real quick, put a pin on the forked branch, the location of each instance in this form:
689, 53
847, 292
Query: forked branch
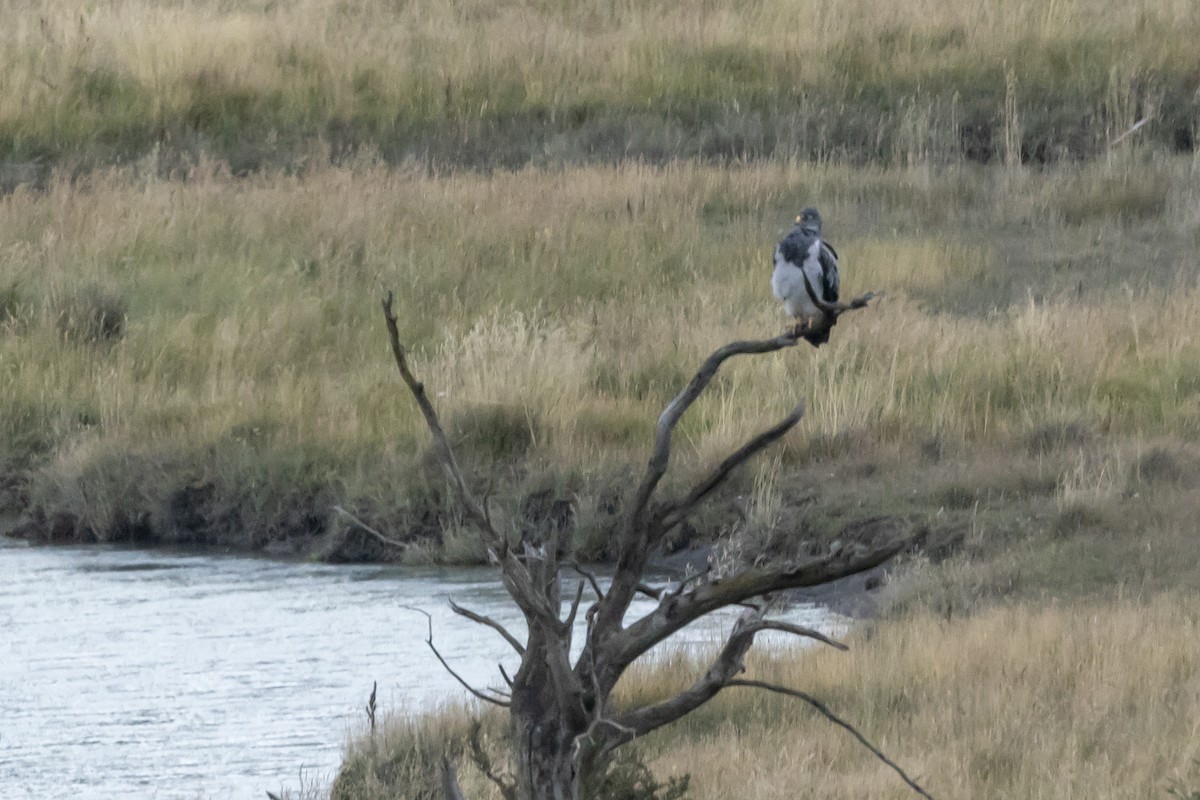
640, 533
660, 456
834, 310
728, 663
446, 666
676, 612
676, 512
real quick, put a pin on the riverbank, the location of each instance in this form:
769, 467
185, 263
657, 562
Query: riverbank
194, 246
1020, 383
1070, 700
201, 206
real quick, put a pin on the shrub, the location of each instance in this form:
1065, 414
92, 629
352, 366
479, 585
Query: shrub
11, 306
496, 432
91, 315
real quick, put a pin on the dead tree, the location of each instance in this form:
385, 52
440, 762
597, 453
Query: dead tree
564, 725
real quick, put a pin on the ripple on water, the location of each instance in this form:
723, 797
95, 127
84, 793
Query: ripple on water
132, 674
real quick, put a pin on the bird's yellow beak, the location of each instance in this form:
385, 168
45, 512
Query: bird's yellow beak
798, 220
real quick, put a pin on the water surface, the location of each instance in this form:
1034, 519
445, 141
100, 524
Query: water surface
134, 674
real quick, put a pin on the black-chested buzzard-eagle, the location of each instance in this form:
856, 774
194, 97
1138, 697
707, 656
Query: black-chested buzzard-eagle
803, 252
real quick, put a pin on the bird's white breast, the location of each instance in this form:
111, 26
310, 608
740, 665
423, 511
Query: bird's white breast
788, 284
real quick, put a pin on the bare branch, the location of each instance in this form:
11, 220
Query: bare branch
836, 720
569, 622
488, 621
690, 579
429, 641
524, 589
676, 512
834, 310
441, 443
800, 630
661, 455
364, 526
651, 591
729, 662
638, 534
449, 777
484, 763
370, 708
591, 578
675, 613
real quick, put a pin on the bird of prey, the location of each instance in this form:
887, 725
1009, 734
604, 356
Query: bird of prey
803, 252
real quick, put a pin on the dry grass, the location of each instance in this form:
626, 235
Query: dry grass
1021, 703
554, 312
512, 82
202, 357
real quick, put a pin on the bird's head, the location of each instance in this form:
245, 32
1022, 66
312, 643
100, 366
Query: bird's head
809, 220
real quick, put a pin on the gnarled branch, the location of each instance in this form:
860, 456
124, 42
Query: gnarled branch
831, 311
660, 456
639, 534
675, 613
727, 664
446, 666
441, 444
491, 623
678, 511
365, 527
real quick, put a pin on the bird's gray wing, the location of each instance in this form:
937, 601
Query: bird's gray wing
829, 272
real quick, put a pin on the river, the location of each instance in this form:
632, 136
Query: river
151, 674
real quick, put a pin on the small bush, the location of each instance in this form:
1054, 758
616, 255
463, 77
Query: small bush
91, 315
402, 760
1077, 517
1159, 466
497, 432
1057, 435
11, 307
628, 778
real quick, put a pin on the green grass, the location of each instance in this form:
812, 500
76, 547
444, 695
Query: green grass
202, 204
508, 84
226, 331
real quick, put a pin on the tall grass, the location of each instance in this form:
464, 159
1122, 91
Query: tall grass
509, 83
1025, 702
1022, 702
566, 307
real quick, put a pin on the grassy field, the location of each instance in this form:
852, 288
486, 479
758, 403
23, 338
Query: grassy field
192, 360
511, 83
202, 203
1022, 703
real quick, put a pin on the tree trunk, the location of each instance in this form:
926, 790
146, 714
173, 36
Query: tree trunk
544, 742
563, 730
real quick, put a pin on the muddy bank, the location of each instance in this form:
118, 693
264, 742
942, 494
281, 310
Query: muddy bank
313, 527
